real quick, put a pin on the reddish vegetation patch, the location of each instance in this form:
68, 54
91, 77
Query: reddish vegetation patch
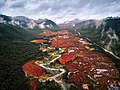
57, 43
66, 57
33, 84
32, 69
88, 67
38, 57
50, 33
91, 68
77, 75
64, 41
39, 41
73, 67
75, 78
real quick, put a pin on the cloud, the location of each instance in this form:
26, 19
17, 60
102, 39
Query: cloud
61, 10
18, 5
2, 3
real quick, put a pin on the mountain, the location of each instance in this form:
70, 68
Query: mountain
22, 28
69, 24
25, 22
92, 23
5, 19
105, 32
46, 23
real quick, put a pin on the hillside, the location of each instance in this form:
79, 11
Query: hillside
13, 33
104, 32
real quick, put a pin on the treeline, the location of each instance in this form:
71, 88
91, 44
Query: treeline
12, 57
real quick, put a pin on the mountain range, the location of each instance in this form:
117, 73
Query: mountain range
104, 32
25, 22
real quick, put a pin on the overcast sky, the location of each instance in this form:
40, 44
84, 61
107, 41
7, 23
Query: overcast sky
61, 10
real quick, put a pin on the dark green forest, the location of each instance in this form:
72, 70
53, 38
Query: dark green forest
12, 57
15, 50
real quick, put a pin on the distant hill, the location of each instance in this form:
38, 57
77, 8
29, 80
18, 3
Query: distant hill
22, 28
25, 22
69, 24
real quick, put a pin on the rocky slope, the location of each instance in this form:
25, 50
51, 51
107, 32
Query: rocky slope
105, 33
25, 22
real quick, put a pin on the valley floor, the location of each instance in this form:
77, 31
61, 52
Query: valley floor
70, 63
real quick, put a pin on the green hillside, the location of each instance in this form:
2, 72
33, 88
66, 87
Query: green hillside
13, 33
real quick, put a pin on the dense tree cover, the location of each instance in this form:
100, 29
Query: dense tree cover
12, 57
10, 33
48, 85
15, 50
